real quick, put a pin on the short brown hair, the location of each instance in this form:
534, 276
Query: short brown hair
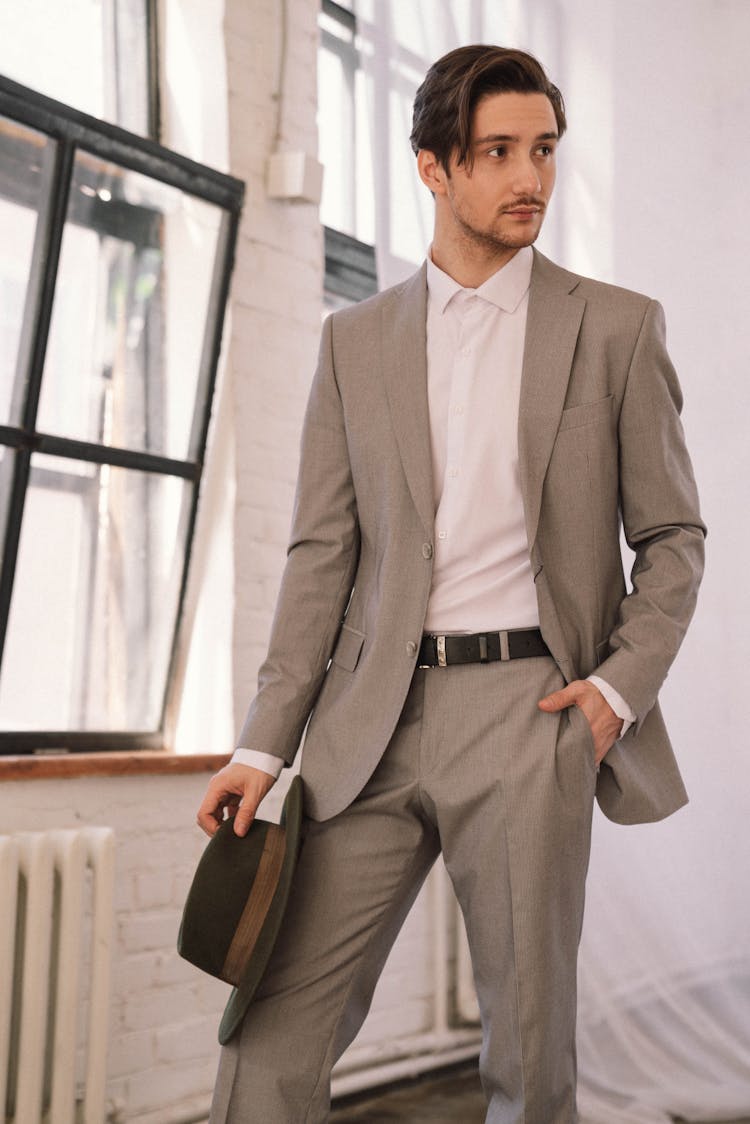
453, 86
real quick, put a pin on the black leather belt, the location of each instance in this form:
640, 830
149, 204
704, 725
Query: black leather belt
481, 647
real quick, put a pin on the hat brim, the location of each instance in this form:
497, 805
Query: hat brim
241, 996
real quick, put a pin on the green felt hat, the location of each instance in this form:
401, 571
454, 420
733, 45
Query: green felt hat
236, 902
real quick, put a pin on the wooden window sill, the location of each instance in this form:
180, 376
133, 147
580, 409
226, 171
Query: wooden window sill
117, 764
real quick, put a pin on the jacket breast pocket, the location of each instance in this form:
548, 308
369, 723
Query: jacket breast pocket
586, 414
348, 648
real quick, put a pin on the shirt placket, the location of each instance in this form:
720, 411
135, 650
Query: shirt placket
460, 388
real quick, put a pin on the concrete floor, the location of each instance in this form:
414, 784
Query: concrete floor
453, 1097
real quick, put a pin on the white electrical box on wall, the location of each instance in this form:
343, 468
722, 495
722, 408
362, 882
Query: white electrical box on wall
294, 176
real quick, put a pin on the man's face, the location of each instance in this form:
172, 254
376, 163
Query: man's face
499, 202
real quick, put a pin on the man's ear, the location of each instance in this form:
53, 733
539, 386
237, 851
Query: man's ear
431, 171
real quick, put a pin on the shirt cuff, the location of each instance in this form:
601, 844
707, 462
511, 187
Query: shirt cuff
266, 762
616, 701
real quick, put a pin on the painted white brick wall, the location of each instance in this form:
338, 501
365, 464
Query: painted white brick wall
164, 1013
276, 305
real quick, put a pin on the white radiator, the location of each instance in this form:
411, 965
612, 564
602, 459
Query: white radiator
55, 947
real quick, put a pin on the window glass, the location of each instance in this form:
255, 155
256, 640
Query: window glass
90, 54
112, 293
129, 317
343, 143
95, 598
25, 164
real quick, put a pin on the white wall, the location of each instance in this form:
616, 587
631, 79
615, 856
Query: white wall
652, 195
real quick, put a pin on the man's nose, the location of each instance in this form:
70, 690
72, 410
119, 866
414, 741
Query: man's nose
526, 180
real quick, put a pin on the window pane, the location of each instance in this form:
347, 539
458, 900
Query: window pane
335, 135
125, 344
95, 597
25, 165
343, 142
91, 54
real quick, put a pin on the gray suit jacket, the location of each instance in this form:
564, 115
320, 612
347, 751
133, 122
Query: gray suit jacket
600, 446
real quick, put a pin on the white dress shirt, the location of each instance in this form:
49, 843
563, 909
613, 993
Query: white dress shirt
482, 579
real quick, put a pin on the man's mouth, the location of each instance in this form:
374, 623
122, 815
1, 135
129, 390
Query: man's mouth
524, 210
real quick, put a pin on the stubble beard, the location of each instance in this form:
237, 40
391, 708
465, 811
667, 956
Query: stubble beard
493, 243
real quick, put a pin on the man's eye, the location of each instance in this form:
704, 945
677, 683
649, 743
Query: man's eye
545, 150
498, 150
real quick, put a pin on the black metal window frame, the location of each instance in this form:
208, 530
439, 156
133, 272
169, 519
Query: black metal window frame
72, 130
153, 73
350, 270
350, 267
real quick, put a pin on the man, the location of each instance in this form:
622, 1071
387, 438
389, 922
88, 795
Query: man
474, 439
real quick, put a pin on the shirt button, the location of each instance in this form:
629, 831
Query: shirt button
453, 472
427, 550
411, 648
442, 534
458, 410
466, 351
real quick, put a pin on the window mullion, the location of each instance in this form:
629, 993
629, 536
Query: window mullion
209, 361
154, 72
45, 259
19, 485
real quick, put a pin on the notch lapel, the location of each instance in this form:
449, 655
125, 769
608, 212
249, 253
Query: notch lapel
404, 335
552, 326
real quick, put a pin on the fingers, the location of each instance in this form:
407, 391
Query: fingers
211, 811
256, 787
237, 789
566, 696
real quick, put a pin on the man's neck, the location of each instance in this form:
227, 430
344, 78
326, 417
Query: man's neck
470, 269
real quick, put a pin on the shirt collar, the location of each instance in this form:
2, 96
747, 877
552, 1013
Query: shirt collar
506, 288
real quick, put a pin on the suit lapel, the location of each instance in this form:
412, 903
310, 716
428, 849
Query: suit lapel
404, 335
552, 327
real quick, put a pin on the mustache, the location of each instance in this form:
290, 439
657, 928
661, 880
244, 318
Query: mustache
524, 201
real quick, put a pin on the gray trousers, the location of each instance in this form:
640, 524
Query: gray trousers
476, 769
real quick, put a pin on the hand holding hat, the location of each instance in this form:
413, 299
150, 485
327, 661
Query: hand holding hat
238, 788
237, 900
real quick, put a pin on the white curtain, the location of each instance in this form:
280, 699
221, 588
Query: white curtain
651, 194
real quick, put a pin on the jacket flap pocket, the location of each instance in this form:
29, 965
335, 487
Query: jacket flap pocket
348, 647
585, 413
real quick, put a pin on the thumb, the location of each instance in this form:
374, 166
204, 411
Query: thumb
559, 700
244, 816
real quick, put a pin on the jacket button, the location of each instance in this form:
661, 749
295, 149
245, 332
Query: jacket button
427, 550
411, 648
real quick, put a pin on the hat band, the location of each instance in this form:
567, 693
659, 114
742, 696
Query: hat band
256, 907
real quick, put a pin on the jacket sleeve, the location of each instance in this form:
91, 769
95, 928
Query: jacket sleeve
661, 520
318, 577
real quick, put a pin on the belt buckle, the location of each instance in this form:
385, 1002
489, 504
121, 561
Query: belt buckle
504, 646
441, 657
